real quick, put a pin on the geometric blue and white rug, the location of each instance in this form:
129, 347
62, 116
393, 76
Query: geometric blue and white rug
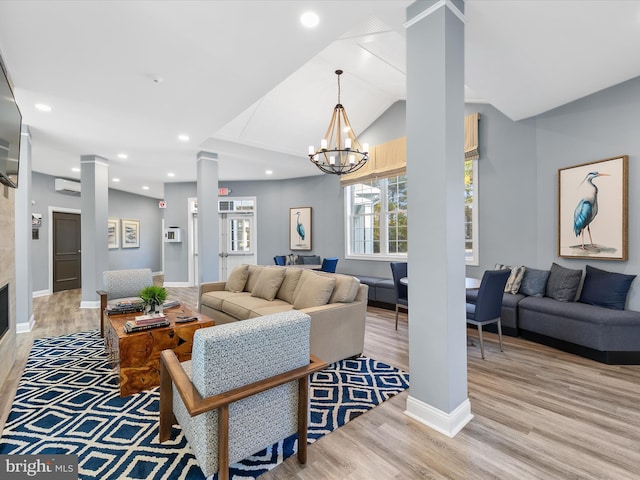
68, 403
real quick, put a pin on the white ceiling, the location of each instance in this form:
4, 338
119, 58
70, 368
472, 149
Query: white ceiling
245, 80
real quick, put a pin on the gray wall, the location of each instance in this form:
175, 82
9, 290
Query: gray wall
121, 205
176, 214
602, 125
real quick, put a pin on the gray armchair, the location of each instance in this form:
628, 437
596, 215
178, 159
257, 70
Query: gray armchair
245, 388
122, 285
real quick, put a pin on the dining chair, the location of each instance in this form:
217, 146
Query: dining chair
488, 306
399, 270
328, 265
280, 260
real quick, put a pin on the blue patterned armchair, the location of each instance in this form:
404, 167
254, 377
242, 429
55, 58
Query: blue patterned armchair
245, 388
121, 285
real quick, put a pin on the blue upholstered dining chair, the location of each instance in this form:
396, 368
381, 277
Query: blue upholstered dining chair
488, 306
280, 260
399, 270
329, 265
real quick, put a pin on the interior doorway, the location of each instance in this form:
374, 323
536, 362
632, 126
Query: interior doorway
66, 251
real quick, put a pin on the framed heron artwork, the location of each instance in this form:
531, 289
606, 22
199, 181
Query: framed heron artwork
593, 210
300, 228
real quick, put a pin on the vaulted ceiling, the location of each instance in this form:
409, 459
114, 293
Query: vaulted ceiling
244, 79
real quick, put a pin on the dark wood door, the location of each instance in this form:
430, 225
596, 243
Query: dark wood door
66, 251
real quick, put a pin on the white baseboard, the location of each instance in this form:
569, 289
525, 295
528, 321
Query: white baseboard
41, 293
177, 284
26, 327
448, 424
90, 304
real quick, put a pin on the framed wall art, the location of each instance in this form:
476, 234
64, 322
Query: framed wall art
300, 228
113, 233
593, 210
130, 233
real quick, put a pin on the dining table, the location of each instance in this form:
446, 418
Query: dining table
469, 283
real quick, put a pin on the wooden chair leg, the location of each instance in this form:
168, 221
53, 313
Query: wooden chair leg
500, 334
481, 342
223, 442
167, 418
103, 306
303, 418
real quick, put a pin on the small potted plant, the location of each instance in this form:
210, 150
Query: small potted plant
153, 297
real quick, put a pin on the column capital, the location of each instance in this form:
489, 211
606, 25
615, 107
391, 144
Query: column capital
202, 155
423, 8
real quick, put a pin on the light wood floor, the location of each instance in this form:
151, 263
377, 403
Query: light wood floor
539, 413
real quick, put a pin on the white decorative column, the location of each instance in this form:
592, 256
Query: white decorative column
435, 172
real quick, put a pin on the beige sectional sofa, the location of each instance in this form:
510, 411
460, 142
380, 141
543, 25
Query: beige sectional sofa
336, 303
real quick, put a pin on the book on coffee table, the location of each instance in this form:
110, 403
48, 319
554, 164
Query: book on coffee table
131, 326
149, 318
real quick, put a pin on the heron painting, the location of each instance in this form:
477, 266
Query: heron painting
300, 228
593, 210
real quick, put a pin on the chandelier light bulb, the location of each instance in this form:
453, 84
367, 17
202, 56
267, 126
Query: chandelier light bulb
312, 150
323, 144
347, 143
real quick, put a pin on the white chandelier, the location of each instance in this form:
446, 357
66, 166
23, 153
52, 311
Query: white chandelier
340, 151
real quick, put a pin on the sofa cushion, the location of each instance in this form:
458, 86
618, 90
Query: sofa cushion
268, 283
237, 279
514, 280
214, 299
346, 287
254, 273
605, 289
313, 290
563, 283
288, 287
279, 307
534, 282
240, 307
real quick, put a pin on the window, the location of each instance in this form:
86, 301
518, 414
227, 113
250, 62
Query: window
471, 212
377, 218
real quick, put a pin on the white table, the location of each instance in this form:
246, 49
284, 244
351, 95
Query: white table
470, 283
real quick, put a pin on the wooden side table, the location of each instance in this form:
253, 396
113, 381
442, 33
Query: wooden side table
136, 356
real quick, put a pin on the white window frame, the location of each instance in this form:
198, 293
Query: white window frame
473, 259
383, 256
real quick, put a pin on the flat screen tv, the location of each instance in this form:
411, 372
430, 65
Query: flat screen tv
10, 127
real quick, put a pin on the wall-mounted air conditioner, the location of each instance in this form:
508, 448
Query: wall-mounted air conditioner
66, 186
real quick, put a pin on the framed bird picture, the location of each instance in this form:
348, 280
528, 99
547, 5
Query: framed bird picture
300, 228
593, 210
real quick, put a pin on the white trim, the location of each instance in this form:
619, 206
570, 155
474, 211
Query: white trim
41, 293
96, 162
153, 274
90, 304
177, 284
191, 243
433, 8
26, 327
59, 210
448, 424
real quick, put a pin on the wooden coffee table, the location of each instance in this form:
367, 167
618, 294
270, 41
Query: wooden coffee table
136, 355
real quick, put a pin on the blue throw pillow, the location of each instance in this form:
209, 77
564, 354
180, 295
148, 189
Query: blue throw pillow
534, 282
606, 289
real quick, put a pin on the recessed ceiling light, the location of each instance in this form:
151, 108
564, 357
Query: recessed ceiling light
123, 156
115, 179
269, 172
145, 187
171, 174
310, 19
75, 169
42, 107
183, 137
